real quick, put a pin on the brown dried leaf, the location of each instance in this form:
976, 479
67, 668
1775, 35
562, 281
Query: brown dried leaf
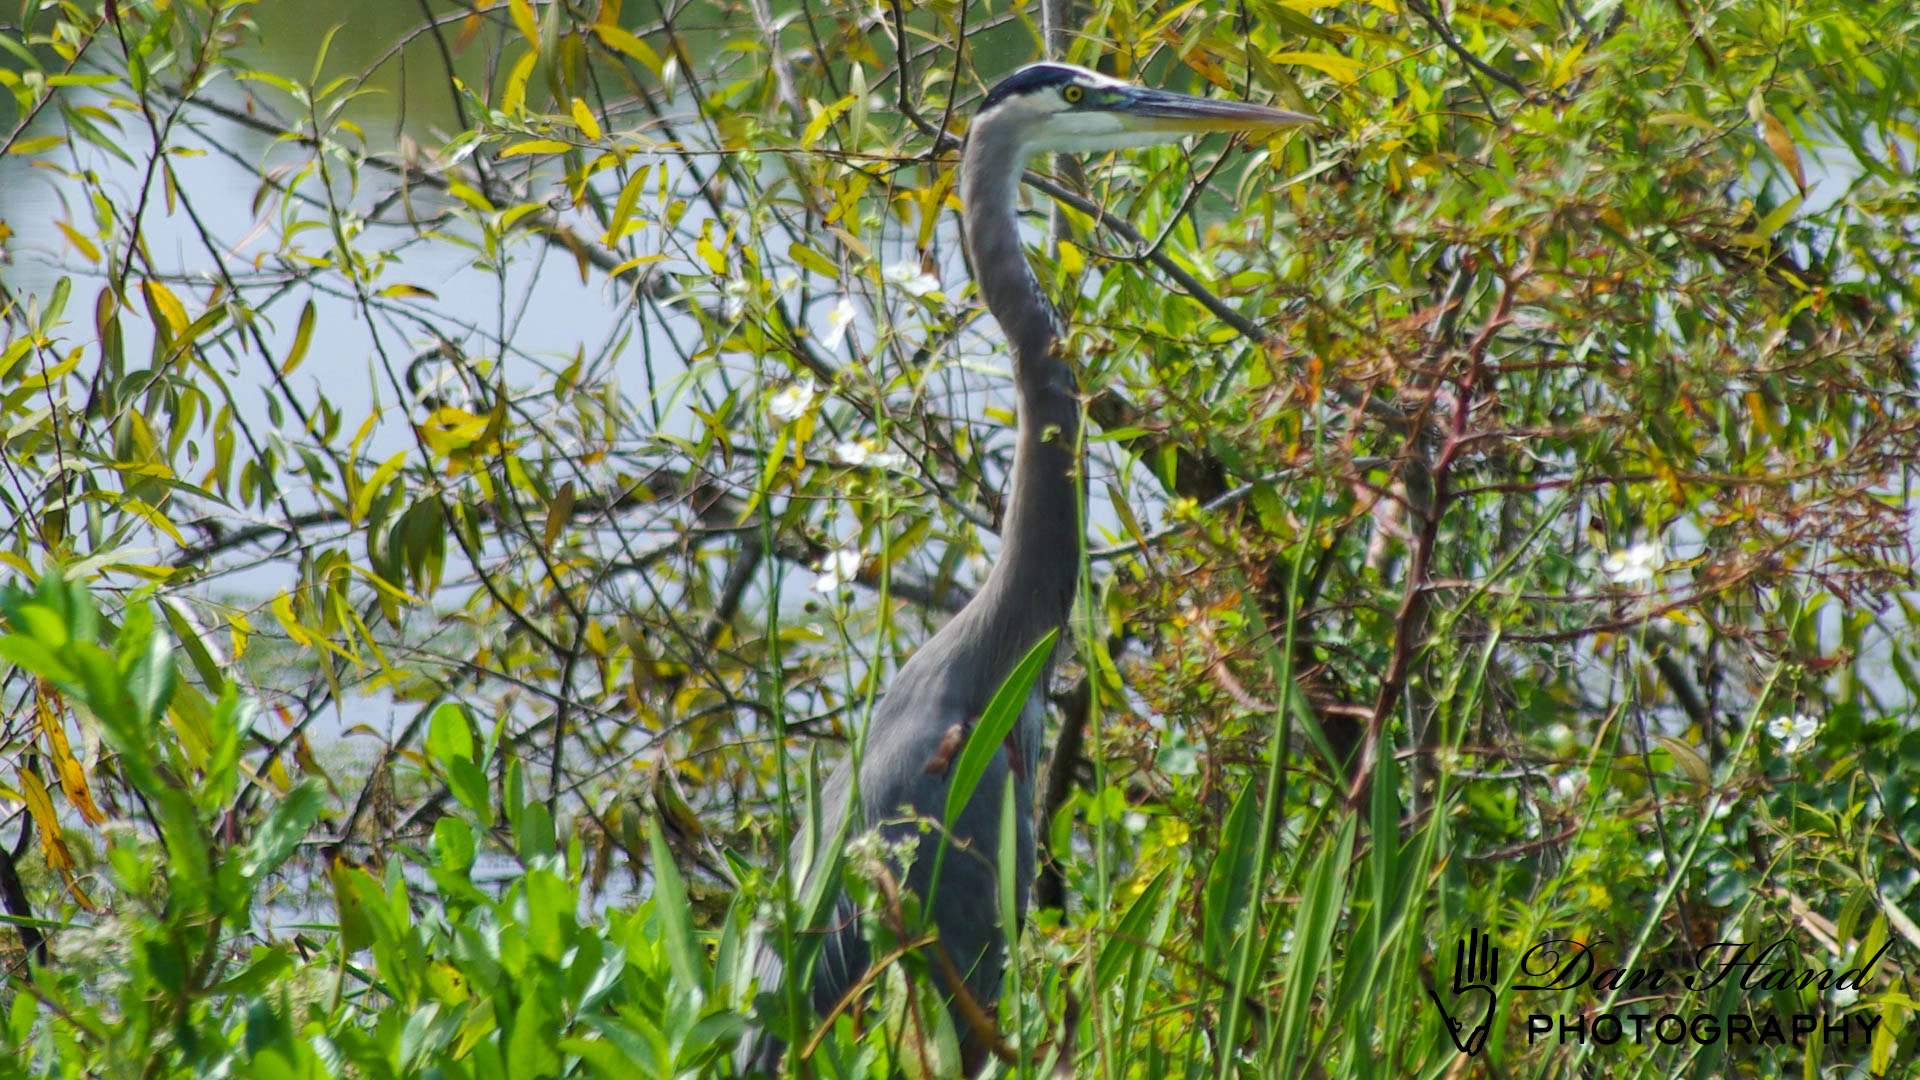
46, 820
73, 777
1781, 143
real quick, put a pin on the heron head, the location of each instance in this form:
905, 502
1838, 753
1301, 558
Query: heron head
1060, 108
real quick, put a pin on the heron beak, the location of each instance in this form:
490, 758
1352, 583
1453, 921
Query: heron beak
1161, 110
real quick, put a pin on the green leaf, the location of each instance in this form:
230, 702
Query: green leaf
530, 1041
1124, 942
283, 829
671, 909
1321, 901
1229, 880
1688, 759
987, 736
150, 682
450, 733
453, 844
468, 783
302, 337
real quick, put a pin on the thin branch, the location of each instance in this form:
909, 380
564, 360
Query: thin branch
1440, 27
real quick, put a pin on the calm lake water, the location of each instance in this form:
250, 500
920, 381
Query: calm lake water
552, 312
540, 304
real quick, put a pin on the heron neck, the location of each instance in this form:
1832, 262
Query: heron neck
1030, 588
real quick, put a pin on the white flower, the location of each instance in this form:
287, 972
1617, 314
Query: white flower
1655, 859
737, 290
1568, 785
1634, 565
860, 452
1794, 732
853, 453
837, 569
1843, 996
838, 320
793, 401
911, 279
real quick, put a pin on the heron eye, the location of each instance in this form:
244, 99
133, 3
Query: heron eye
1073, 94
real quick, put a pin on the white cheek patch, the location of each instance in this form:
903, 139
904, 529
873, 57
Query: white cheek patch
1083, 125
1092, 132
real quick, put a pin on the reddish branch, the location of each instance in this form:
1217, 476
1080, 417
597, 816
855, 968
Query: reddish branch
1409, 622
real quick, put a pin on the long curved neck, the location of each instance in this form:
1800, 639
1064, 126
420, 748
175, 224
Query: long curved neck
1030, 588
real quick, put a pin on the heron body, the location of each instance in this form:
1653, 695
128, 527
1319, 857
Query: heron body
939, 693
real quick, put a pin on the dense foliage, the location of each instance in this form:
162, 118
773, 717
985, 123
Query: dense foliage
472, 464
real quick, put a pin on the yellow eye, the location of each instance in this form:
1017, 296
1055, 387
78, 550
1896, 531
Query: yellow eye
1073, 94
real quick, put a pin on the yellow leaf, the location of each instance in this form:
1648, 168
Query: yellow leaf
278, 776
623, 41
457, 421
823, 119
283, 611
634, 263
11, 355
73, 778
1761, 415
514, 98
52, 376
404, 290
583, 116
715, 260
451, 428
1071, 259
1197, 59
535, 146
37, 144
74, 237
375, 485
154, 518
1344, 68
1566, 65
165, 307
366, 428
46, 820
469, 196
522, 13
238, 629
812, 260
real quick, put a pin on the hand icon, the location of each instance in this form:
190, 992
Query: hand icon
1476, 971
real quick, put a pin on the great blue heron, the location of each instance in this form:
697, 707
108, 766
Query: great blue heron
942, 690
